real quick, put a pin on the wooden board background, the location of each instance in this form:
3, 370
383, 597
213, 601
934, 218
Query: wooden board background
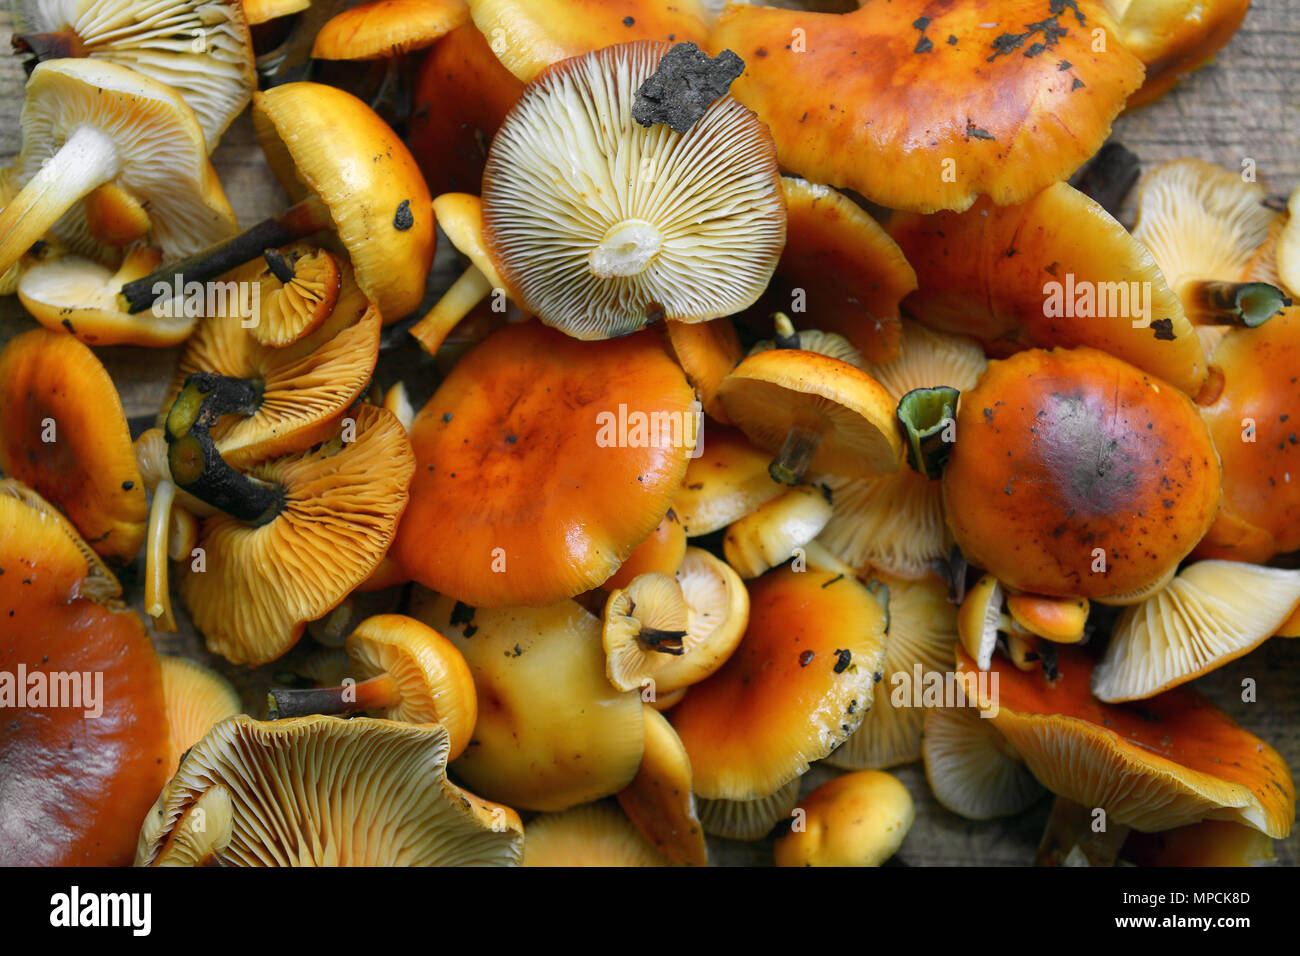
1244, 106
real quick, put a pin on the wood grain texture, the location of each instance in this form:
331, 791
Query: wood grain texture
1245, 105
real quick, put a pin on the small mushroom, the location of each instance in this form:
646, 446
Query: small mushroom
1173, 38
1203, 225
1213, 612
651, 224
199, 48
749, 819
408, 672
64, 433
321, 791
659, 801
773, 532
197, 700
972, 769
798, 685
298, 289
551, 731
858, 819
542, 463
1054, 270
594, 834
922, 109
88, 122
727, 481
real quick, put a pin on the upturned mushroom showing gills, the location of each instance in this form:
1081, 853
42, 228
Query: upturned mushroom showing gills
297, 534
542, 463
346, 172
88, 123
64, 433
321, 791
1054, 270
644, 221
157, 38
84, 744
1203, 224
921, 108
1175, 760
1074, 474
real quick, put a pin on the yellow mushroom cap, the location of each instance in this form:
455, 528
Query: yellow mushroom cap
718, 612
372, 31
263, 11
1213, 612
858, 819
774, 531
795, 689
322, 791
644, 624
728, 480
659, 801
594, 834
1173, 37
551, 731
434, 684
197, 699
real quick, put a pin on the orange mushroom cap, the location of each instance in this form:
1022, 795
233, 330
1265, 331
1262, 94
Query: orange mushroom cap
1075, 474
372, 31
922, 107
542, 463
64, 433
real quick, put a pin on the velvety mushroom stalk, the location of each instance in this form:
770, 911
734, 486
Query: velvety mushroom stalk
801, 442
297, 222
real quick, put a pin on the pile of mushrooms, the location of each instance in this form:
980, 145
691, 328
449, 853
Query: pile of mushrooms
778, 415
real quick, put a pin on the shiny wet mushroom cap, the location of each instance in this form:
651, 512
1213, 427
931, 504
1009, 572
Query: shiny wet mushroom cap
650, 223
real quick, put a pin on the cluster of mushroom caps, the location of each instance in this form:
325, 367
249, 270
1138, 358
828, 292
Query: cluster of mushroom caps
711, 456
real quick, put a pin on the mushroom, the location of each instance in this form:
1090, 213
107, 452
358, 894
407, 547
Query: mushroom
773, 532
197, 699
594, 834
89, 122
199, 48
671, 632
857, 819
321, 791
924, 109
659, 801
1208, 843
814, 412
298, 532
749, 819
542, 463
461, 96
551, 731
795, 689
1211, 613
298, 289
64, 433
199, 835
972, 769
1288, 246
727, 481
84, 744
663, 551
528, 36
1175, 760
1076, 475
1054, 270
653, 224
1172, 38
895, 522
1060, 620
1203, 225
850, 274
922, 633
1252, 420
707, 352
346, 172
258, 12
408, 672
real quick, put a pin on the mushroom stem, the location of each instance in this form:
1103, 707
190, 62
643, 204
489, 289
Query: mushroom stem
1109, 176
787, 336
795, 456
467, 292
626, 249
301, 220
928, 416
377, 693
280, 267
1071, 828
1234, 303
665, 642
157, 592
48, 46
85, 161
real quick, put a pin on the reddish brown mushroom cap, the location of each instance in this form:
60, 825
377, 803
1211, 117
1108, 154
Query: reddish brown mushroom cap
881, 101
1075, 474
542, 464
